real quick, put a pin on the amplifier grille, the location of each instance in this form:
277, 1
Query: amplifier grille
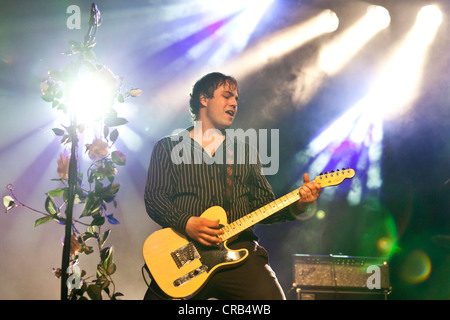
340, 271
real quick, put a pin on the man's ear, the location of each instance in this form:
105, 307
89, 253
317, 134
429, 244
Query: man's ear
203, 99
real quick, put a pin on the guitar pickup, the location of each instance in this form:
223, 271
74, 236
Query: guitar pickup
190, 275
185, 255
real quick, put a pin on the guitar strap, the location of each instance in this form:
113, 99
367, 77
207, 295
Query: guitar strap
229, 175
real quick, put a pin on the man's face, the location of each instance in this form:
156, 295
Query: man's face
220, 111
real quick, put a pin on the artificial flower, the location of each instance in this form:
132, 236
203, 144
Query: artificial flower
98, 149
63, 166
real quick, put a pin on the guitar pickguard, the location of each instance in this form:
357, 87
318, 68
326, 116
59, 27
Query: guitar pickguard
210, 257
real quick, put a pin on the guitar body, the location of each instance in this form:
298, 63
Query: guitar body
181, 267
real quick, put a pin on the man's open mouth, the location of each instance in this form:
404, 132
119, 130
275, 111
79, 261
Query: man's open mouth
230, 112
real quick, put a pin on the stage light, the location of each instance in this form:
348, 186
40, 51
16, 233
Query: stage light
378, 17
281, 43
398, 84
337, 53
249, 60
359, 130
92, 93
234, 35
430, 16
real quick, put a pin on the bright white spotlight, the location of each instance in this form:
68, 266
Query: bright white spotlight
429, 19
398, 84
430, 16
236, 34
92, 93
336, 54
329, 20
379, 17
281, 43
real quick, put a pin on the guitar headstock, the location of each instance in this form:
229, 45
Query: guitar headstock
334, 178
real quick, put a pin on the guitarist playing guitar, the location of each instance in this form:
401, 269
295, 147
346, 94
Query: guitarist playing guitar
201, 204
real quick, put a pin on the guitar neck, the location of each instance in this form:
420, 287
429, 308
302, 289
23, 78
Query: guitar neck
258, 215
328, 179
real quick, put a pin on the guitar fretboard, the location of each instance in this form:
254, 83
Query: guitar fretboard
258, 215
328, 179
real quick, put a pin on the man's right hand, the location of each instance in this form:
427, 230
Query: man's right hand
203, 230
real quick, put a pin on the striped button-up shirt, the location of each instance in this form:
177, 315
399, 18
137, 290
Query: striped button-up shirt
184, 181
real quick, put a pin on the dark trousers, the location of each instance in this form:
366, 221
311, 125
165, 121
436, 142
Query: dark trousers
252, 279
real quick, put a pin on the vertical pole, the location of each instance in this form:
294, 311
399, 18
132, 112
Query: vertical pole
72, 184
94, 21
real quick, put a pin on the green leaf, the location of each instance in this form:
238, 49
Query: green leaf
48, 97
114, 188
50, 206
9, 203
87, 235
114, 135
114, 122
43, 220
105, 131
106, 256
58, 131
94, 292
118, 158
93, 229
104, 237
98, 221
56, 192
87, 249
107, 193
92, 205
111, 269
62, 107
89, 54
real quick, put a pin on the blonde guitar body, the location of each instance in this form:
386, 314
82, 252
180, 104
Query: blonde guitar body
181, 267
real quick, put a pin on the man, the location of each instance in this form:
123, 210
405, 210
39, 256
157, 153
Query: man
178, 192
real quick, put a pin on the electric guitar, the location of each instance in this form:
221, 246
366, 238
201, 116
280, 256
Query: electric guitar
181, 266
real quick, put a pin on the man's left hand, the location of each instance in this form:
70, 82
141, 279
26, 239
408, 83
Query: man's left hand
309, 192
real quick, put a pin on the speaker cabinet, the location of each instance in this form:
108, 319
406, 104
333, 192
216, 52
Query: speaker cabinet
339, 277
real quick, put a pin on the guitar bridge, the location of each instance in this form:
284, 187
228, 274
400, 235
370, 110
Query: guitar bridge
185, 255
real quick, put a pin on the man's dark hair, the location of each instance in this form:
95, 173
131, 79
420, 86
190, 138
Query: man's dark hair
206, 86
